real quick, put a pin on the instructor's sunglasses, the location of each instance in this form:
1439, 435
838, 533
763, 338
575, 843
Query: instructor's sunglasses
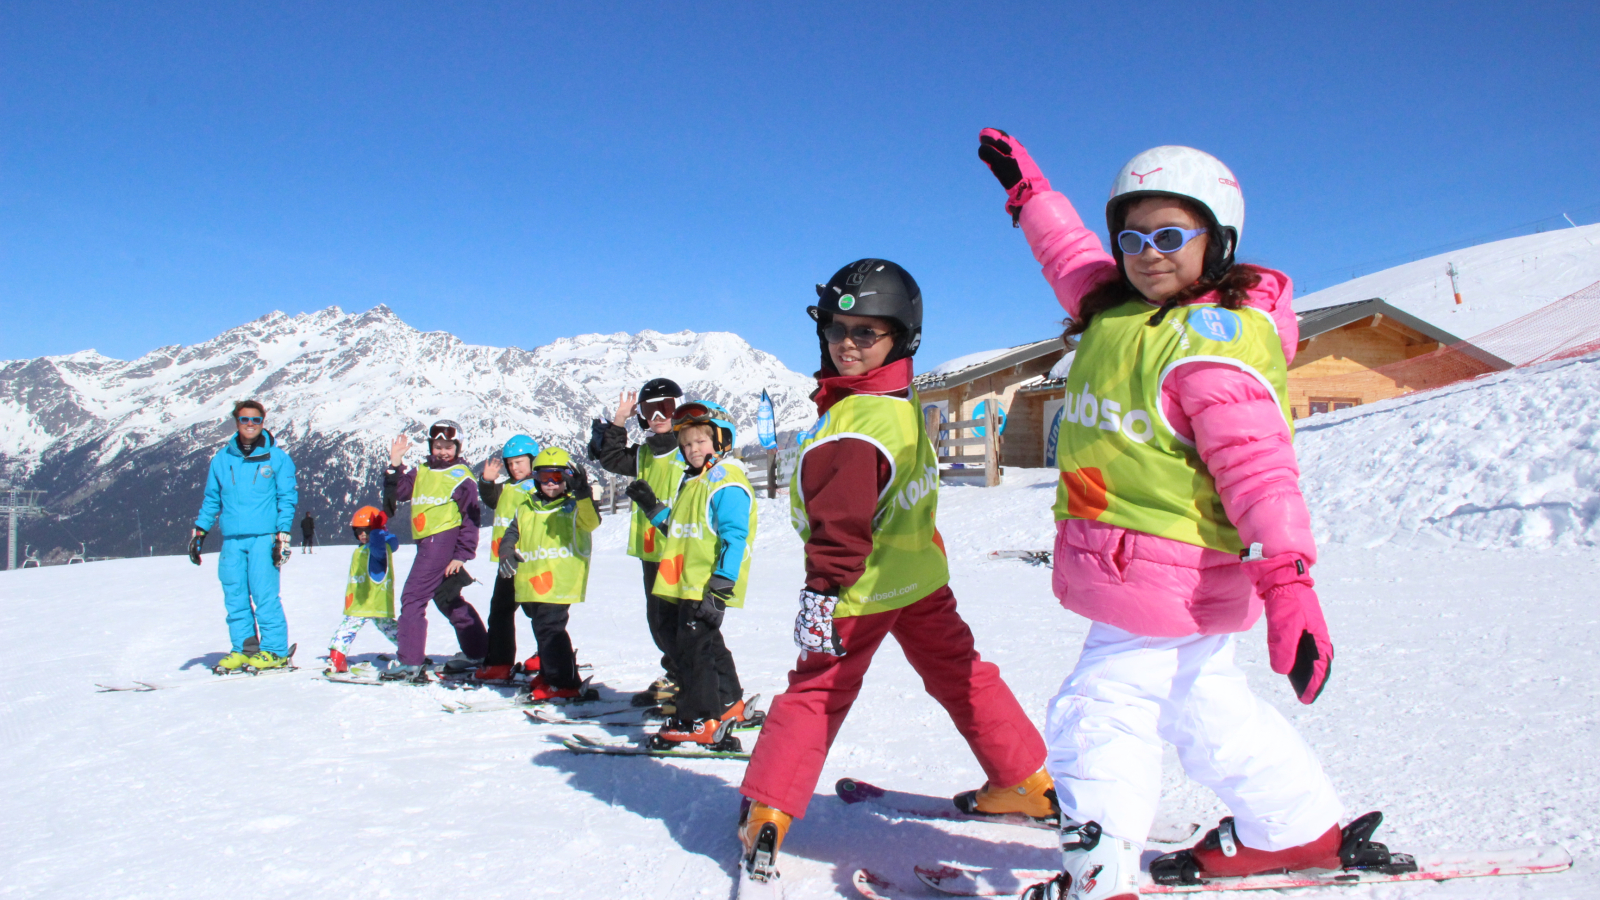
444, 431
863, 336
1168, 240
649, 410
249, 420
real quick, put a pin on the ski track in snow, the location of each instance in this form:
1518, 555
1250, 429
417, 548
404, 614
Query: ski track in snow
1463, 701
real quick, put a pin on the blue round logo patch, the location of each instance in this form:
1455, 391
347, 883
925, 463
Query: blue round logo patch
716, 474
1216, 324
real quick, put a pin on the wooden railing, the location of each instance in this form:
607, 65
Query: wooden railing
986, 463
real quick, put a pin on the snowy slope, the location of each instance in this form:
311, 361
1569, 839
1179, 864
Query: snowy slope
1500, 281
1451, 709
1508, 460
107, 437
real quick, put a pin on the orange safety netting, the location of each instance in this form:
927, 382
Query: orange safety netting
1563, 329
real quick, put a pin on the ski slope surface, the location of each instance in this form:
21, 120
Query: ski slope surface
1499, 281
1463, 704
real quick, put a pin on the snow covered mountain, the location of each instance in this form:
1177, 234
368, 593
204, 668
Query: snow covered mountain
121, 447
1499, 281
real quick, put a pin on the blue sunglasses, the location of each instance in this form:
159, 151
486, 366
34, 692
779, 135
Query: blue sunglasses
1167, 240
250, 420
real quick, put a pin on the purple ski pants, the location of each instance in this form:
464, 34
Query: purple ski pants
426, 582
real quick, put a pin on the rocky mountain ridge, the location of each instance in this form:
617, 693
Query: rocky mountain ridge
121, 447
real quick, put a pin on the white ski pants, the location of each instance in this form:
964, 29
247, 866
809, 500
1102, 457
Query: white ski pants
1129, 693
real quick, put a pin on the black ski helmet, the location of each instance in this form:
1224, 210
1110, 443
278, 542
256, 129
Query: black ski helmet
656, 389
877, 288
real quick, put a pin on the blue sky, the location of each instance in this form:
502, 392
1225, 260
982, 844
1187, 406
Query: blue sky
517, 172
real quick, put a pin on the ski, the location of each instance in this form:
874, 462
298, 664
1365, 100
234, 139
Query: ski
752, 722
852, 791
581, 744
961, 882
1031, 557
629, 716
873, 886
522, 702
145, 687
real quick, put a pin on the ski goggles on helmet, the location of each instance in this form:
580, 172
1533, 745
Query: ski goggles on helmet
249, 420
691, 414
549, 476
662, 407
863, 336
448, 432
1168, 240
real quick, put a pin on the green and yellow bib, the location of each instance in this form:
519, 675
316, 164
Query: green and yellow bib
432, 510
365, 597
663, 474
512, 495
689, 554
1121, 462
553, 540
907, 561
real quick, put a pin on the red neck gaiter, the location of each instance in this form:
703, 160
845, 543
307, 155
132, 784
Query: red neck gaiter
893, 379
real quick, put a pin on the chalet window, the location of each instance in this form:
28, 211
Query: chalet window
1332, 404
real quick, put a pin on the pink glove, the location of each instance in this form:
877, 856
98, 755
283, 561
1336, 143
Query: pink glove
1011, 164
1297, 635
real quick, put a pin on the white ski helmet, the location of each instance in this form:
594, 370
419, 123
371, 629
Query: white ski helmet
1187, 173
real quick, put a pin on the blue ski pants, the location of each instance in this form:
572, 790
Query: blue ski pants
250, 593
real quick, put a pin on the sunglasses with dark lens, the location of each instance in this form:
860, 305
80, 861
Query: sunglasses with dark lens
861, 335
249, 420
444, 431
1167, 240
550, 476
663, 407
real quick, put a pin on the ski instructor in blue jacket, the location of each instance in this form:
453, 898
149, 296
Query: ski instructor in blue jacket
252, 483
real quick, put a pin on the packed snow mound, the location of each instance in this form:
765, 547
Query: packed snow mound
1499, 281
1507, 460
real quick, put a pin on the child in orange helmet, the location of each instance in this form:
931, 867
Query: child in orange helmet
369, 593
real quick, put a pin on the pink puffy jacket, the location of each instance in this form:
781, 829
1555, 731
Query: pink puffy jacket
1158, 586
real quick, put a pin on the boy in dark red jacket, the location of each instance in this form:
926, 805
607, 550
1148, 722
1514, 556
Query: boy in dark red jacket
866, 490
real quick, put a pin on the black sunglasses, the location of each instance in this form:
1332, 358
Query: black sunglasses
861, 335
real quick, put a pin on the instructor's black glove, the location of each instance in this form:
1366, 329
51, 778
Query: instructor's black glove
195, 540
714, 602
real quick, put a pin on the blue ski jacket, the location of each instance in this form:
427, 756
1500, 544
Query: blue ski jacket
255, 494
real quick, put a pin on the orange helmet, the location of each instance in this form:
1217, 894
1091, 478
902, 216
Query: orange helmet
369, 517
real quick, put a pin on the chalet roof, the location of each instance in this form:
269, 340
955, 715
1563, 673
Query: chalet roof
1325, 319
940, 377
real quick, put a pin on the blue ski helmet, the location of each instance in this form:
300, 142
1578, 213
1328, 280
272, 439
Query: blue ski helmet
705, 412
520, 445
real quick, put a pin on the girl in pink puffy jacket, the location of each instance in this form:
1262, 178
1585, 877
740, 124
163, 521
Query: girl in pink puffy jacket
1178, 518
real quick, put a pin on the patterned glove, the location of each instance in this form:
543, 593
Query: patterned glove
813, 627
508, 562
280, 550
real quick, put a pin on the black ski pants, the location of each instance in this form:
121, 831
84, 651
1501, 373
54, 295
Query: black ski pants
662, 618
708, 683
556, 659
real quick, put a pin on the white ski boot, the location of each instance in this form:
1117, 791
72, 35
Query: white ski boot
1094, 866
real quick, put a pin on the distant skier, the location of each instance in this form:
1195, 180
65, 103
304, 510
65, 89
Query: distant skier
708, 530
369, 592
444, 522
658, 463
251, 483
1176, 461
545, 551
308, 533
864, 493
516, 461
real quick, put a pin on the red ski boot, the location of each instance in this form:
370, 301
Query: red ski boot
492, 673
336, 663
539, 689
1221, 855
